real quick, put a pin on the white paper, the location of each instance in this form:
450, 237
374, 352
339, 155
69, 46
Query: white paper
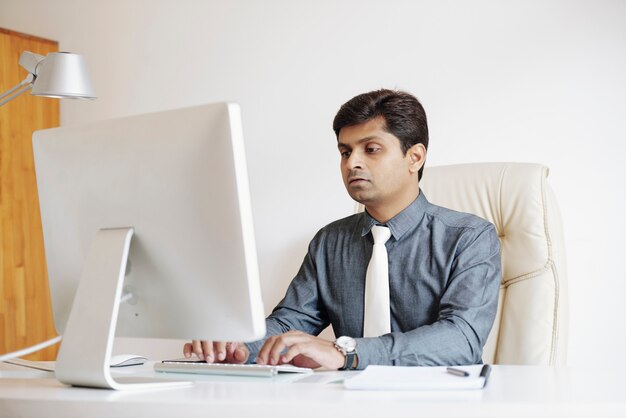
416, 378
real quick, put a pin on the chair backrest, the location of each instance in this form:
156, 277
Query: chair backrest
532, 321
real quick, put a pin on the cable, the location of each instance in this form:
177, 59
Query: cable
46, 366
30, 350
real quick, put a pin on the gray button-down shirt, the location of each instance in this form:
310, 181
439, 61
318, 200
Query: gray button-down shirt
444, 279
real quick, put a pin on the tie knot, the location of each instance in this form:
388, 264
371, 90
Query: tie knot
381, 234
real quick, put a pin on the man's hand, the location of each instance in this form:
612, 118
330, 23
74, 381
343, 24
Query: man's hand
217, 351
303, 350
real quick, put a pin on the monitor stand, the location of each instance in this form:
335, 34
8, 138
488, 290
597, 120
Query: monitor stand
87, 344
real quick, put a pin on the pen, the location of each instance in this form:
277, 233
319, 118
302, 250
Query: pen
485, 371
457, 372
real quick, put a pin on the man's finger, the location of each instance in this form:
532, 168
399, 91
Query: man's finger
236, 352
241, 354
263, 356
293, 351
187, 350
230, 349
197, 349
207, 350
279, 346
219, 350
284, 342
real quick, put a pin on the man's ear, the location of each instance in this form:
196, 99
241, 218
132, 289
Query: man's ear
417, 157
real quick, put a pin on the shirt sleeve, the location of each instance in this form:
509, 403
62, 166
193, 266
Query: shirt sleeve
301, 309
467, 309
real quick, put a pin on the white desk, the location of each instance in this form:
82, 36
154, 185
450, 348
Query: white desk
513, 391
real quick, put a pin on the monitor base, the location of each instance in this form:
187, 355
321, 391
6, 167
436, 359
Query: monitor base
87, 344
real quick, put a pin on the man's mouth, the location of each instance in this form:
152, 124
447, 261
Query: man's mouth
356, 180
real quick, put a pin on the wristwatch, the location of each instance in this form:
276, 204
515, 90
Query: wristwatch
347, 347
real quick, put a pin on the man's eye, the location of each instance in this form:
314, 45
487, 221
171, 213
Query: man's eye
345, 154
372, 149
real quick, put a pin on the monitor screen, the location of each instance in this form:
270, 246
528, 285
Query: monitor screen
178, 178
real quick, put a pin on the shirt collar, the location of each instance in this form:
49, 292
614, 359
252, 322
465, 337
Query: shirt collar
403, 221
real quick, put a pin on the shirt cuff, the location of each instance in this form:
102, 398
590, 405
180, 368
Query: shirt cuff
371, 351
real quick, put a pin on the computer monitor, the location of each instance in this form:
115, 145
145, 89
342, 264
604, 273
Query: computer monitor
176, 183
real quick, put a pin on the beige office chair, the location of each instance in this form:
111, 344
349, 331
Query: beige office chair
532, 320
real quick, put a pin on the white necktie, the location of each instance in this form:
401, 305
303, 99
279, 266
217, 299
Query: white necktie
377, 318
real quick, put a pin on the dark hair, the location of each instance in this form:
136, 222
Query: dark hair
403, 113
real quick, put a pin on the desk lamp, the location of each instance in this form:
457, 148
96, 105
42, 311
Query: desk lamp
58, 74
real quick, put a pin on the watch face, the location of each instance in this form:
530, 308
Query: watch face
347, 343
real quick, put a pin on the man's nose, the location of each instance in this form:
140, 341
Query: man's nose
355, 160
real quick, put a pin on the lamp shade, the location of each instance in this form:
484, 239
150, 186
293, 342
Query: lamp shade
63, 75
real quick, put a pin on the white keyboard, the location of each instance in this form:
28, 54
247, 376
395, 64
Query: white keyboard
201, 367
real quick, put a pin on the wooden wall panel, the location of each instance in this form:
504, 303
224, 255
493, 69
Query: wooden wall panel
25, 310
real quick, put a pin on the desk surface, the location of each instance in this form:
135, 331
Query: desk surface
512, 391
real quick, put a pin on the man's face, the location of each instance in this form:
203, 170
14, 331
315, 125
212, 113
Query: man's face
375, 171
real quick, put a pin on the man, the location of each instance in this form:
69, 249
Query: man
440, 268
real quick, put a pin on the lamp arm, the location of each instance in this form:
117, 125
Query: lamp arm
13, 92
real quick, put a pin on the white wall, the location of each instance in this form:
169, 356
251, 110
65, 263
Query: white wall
534, 81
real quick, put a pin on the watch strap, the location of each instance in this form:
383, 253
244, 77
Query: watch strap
350, 363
